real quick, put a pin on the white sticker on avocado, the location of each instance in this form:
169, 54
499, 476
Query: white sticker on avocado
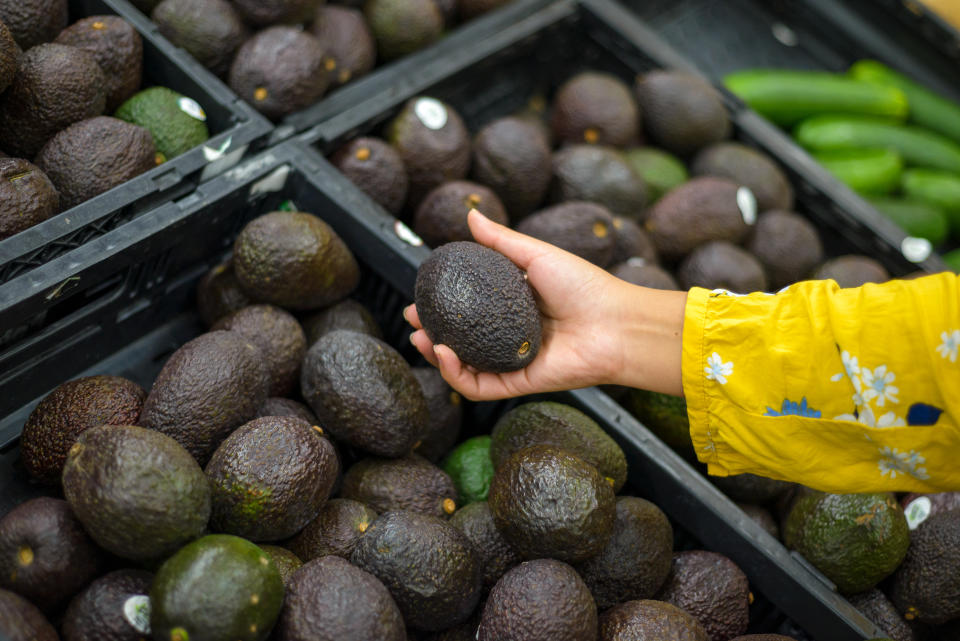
431, 113
406, 234
747, 203
636, 261
917, 512
916, 250
136, 610
190, 107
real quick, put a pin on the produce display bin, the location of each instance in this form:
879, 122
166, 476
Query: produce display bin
133, 333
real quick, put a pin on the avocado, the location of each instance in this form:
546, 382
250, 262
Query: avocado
721, 264
762, 517
294, 260
403, 26
377, 169
661, 171
208, 388
445, 408
270, 478
20, 620
54, 87
579, 227
350, 49
36, 22
286, 561
431, 138
219, 293
115, 607
855, 540
274, 406
874, 605
45, 555
630, 241
477, 302
280, 338
67, 411
636, 561
712, 589
118, 49
494, 553
442, 215
364, 393
750, 488
347, 314
209, 30
27, 196
664, 415
539, 600
176, 122
471, 469
336, 530
239, 601
600, 175
748, 167
637, 271
409, 483
647, 620
563, 426
325, 598
697, 212
595, 108
9, 57
547, 502
95, 155
787, 245
511, 157
852, 271
428, 565
462, 632
927, 585
682, 112
262, 13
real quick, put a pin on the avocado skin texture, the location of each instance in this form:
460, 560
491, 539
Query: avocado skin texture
442, 215
336, 530
748, 167
647, 620
27, 197
286, 407
636, 561
856, 540
787, 245
54, 87
9, 57
294, 260
581, 228
33, 23
96, 613
286, 561
598, 103
601, 175
495, 554
95, 155
927, 585
159, 111
118, 49
345, 36
539, 600
445, 408
280, 338
478, 303
665, 415
852, 271
428, 565
63, 560
377, 169
681, 112
208, 388
409, 483
20, 620
347, 314
218, 605
511, 157
874, 605
209, 30
720, 264
549, 503
137, 492
403, 26
645, 275
270, 478
630, 241
325, 597
267, 12
563, 426
660, 171
711, 588
751, 488
219, 294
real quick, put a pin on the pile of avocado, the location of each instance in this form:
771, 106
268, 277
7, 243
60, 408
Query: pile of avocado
57, 148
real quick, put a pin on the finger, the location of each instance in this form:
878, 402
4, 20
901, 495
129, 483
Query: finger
521, 249
411, 316
424, 345
476, 386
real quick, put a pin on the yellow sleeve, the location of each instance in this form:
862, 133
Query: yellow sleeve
843, 390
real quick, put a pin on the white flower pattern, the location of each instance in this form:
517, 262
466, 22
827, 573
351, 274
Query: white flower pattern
850, 368
717, 370
950, 345
867, 417
877, 385
893, 462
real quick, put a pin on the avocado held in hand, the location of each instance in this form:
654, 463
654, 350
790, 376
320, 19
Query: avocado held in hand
475, 301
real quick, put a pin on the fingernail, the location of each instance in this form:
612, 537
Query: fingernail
477, 212
411, 339
404, 313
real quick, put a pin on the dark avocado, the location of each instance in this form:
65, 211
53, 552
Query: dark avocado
350, 49
27, 197
54, 87
20, 620
470, 9
9, 57
595, 108
600, 175
762, 517
630, 241
286, 407
35, 22
442, 215
377, 169
294, 260
137, 492
209, 30
751, 488
511, 157
787, 245
270, 478
495, 554
409, 483
262, 13
637, 271
279, 70
540, 600
45, 555
665, 415
547, 502
852, 271
286, 561
462, 632
331, 600
648, 620
748, 167
71, 408
445, 407
209, 387
115, 607
636, 561
364, 393
403, 26
579, 227
660, 171
874, 605
721, 264
95, 155
478, 303
118, 49
336, 530
428, 565
927, 585
219, 294
681, 112
347, 314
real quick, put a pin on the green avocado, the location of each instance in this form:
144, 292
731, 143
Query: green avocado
927, 585
599, 175
595, 108
647, 619
471, 469
787, 245
495, 554
748, 167
118, 48
408, 483
579, 227
665, 415
682, 112
209, 30
20, 620
511, 157
336, 530
661, 171
98, 612
403, 26
377, 169
176, 122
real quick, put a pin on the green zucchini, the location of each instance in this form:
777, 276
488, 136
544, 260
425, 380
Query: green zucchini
916, 217
939, 188
787, 97
867, 171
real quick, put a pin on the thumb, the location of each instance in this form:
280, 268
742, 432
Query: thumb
519, 248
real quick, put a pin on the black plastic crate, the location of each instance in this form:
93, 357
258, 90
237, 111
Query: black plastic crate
133, 334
